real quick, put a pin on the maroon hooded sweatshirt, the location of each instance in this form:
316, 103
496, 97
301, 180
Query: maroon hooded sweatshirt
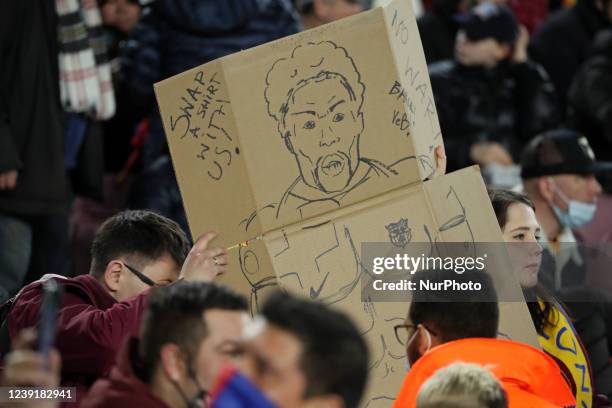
123, 388
91, 326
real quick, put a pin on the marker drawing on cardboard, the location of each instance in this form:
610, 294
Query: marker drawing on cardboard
400, 234
315, 95
316, 144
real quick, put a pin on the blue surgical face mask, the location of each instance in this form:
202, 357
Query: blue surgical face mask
577, 214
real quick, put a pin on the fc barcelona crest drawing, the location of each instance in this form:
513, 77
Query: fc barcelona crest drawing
399, 233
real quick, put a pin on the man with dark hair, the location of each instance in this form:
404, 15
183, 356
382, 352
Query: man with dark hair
473, 314
301, 352
444, 327
190, 330
132, 251
141, 235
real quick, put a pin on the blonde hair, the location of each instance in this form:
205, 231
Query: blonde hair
462, 385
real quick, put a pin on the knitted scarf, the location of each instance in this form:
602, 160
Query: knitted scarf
85, 73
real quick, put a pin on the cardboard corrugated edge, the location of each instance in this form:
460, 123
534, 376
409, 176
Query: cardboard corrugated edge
400, 21
514, 316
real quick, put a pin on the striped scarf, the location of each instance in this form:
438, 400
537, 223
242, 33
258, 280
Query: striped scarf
85, 73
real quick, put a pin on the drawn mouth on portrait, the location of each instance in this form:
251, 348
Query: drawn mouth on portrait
332, 165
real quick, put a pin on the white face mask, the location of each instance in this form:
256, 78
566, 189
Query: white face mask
407, 365
577, 214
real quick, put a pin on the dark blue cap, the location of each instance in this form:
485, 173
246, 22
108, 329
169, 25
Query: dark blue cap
489, 21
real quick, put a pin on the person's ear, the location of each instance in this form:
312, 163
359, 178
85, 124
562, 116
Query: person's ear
546, 188
423, 340
171, 362
112, 275
324, 401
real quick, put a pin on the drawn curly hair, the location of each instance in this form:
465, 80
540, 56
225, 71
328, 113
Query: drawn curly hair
312, 61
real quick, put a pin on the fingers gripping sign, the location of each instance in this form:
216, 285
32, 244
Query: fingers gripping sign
204, 263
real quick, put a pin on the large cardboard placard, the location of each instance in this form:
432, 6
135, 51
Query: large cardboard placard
303, 125
318, 142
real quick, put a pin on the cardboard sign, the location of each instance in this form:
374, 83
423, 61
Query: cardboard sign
319, 142
303, 125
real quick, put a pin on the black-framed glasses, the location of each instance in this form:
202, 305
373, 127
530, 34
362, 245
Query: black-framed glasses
143, 278
403, 332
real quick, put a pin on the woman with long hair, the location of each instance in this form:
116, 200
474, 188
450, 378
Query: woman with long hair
556, 334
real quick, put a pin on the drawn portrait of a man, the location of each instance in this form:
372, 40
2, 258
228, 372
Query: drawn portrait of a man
316, 97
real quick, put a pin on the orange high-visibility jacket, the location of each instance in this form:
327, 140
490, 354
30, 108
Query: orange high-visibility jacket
530, 377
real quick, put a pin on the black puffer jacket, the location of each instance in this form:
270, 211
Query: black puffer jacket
437, 29
561, 43
590, 97
508, 104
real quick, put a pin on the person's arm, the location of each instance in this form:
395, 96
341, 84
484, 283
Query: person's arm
10, 160
89, 338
